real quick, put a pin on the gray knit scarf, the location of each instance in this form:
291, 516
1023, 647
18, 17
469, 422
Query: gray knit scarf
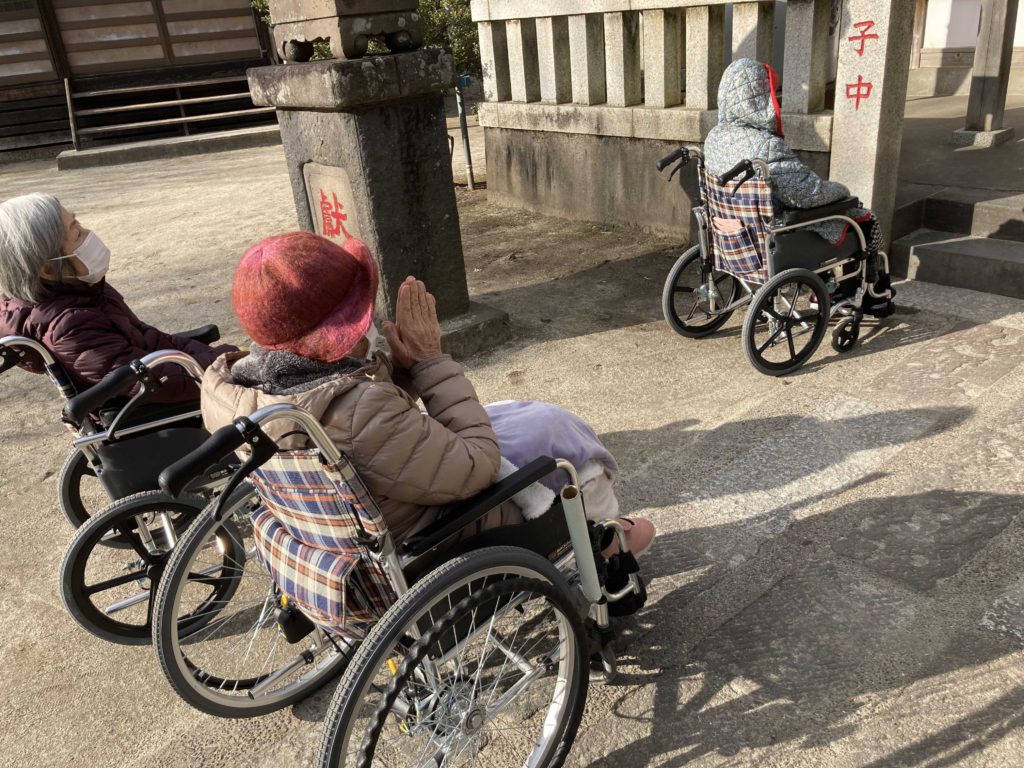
278, 372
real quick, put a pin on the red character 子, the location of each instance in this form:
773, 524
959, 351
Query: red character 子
865, 28
332, 216
859, 91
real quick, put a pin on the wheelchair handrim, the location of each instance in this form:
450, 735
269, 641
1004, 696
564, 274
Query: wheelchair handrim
241, 695
568, 657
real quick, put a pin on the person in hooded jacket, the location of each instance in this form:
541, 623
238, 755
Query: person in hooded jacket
53, 289
307, 304
749, 127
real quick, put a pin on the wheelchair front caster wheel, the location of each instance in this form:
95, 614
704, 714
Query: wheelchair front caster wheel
845, 335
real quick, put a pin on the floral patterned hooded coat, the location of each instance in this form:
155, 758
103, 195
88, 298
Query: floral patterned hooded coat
750, 126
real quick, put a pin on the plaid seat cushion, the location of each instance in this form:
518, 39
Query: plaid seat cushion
742, 251
309, 534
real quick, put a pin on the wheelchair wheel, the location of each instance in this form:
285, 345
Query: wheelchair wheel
237, 663
785, 324
684, 299
845, 334
108, 591
487, 653
81, 493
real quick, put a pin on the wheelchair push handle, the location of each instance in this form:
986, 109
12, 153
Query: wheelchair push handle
680, 154
113, 384
743, 166
175, 478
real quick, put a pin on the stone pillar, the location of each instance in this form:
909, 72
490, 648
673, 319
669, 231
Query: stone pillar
367, 151
555, 63
871, 88
494, 60
806, 55
663, 58
705, 55
522, 59
622, 38
991, 76
753, 31
586, 46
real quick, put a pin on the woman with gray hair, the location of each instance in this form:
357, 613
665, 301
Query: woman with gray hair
53, 289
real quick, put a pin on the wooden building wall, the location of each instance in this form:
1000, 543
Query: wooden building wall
24, 54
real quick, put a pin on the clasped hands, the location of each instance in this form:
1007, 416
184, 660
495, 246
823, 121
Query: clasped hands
415, 335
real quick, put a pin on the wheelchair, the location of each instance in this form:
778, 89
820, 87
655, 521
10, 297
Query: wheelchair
95, 472
747, 253
444, 644
117, 555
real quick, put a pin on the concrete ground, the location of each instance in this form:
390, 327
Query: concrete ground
839, 576
929, 164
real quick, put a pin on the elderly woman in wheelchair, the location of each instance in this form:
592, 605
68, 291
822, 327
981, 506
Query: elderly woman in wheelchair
774, 234
382, 545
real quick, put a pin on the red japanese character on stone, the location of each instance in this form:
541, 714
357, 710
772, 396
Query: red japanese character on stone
859, 91
865, 27
332, 216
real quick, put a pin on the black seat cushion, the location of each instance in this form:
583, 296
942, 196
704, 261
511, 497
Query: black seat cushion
799, 215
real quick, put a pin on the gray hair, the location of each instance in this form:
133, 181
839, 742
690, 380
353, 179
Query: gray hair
31, 233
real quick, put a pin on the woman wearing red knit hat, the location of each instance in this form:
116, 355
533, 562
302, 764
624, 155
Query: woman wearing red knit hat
307, 303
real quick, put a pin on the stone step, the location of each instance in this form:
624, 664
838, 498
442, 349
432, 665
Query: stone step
978, 212
178, 146
986, 264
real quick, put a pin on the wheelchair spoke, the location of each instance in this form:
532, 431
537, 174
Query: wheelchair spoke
771, 340
789, 338
117, 581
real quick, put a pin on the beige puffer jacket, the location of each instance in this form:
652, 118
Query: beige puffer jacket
411, 462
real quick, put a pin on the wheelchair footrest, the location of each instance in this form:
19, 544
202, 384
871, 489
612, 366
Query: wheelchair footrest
620, 568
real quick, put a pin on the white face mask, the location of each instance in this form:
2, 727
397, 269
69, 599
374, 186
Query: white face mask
372, 336
95, 255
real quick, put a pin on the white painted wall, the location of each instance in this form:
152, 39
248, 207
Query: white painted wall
954, 24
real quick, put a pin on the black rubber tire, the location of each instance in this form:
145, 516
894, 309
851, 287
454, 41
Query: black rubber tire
762, 304
121, 516
428, 591
728, 287
185, 678
69, 488
845, 334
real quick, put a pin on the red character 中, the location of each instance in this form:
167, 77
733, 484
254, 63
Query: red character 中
332, 217
859, 91
865, 27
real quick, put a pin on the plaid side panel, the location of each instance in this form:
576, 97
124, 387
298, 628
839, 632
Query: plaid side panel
342, 594
314, 503
742, 251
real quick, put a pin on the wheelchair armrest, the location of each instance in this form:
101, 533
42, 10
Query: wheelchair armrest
454, 517
207, 334
799, 215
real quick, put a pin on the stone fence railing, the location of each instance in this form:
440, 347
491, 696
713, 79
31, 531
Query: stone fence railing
614, 82
631, 61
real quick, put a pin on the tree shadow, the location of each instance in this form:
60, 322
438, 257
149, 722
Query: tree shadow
830, 626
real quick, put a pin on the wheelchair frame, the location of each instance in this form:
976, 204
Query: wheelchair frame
582, 548
850, 308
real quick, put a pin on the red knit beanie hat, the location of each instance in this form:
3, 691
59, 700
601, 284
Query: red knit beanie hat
305, 294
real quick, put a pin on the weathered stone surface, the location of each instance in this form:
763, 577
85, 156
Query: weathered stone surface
871, 87
347, 26
663, 57
705, 56
1006, 614
522, 57
811, 632
345, 85
753, 31
970, 138
586, 47
806, 55
622, 48
923, 538
555, 60
494, 61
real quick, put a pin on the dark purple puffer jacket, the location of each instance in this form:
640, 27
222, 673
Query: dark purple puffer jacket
91, 331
